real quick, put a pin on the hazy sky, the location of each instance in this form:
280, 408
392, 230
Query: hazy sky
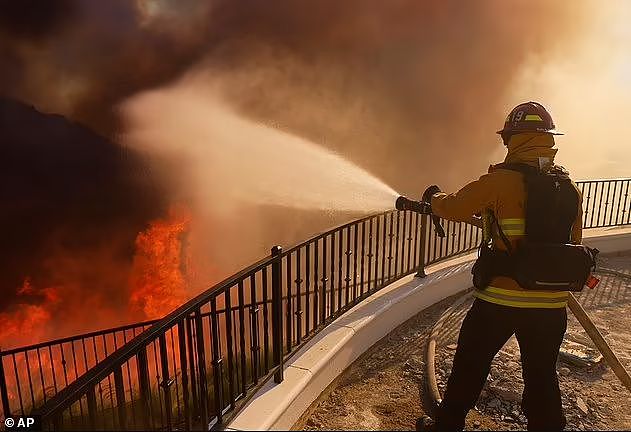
588, 89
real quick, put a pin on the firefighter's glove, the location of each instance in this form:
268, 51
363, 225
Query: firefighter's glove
429, 192
427, 200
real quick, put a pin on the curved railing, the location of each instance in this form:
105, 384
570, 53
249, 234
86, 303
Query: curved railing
196, 367
30, 375
605, 202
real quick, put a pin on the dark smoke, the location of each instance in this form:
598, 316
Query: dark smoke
80, 58
410, 90
410, 81
33, 19
72, 205
399, 86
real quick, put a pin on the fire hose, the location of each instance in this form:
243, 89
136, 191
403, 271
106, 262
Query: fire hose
576, 308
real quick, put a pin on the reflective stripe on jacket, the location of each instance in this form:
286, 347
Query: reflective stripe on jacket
503, 192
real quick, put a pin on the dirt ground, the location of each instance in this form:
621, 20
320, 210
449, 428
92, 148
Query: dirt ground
384, 389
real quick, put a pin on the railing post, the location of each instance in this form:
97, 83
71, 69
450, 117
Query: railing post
166, 380
120, 398
181, 333
145, 389
217, 362
201, 369
421, 264
4, 393
191, 358
277, 313
91, 397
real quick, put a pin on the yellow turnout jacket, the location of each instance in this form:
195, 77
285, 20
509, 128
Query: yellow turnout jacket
502, 191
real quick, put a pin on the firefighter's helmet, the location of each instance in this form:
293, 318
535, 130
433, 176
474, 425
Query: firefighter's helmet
528, 117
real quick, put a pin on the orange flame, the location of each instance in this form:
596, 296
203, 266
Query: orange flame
28, 322
158, 281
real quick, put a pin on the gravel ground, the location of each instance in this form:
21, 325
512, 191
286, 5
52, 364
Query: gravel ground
384, 389
381, 389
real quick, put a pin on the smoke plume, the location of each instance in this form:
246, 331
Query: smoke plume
388, 84
409, 91
402, 79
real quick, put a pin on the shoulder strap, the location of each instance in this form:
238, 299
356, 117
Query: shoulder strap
501, 233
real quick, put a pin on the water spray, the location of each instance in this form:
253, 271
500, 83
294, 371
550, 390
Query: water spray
233, 160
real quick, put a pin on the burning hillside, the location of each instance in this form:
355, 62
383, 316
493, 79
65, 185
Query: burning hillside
87, 234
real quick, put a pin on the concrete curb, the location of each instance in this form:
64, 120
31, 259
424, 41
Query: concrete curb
329, 353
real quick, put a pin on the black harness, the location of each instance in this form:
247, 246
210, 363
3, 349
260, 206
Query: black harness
545, 259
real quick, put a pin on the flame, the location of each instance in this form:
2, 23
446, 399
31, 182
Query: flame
27, 322
158, 281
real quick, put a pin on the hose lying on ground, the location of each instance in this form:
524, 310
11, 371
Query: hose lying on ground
430, 353
576, 308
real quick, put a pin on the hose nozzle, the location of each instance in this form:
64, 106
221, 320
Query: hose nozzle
404, 203
421, 207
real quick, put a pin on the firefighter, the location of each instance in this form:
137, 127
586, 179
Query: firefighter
502, 307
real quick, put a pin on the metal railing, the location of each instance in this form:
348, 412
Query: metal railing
606, 202
196, 368
31, 375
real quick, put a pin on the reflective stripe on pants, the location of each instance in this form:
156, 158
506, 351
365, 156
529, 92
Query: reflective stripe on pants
523, 299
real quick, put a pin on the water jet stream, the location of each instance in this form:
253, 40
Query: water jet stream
236, 160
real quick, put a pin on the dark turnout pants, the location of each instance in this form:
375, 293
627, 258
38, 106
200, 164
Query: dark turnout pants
484, 331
